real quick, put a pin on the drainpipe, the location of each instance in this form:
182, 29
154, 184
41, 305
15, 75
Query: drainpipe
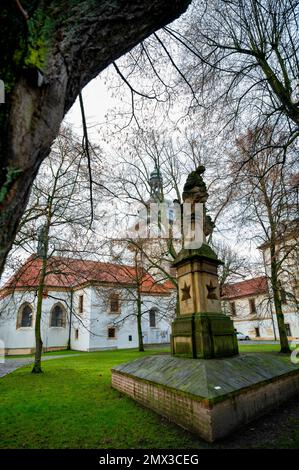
70, 324
271, 309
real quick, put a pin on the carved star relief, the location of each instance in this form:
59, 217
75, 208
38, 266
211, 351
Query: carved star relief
186, 292
212, 295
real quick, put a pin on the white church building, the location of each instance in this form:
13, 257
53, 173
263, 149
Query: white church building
87, 306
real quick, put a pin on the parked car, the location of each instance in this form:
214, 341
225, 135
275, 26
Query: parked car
242, 337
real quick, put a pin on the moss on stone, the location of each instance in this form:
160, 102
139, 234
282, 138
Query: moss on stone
205, 251
39, 29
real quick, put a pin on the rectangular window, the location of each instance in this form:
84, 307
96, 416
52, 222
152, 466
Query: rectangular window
111, 332
233, 309
114, 303
288, 329
76, 334
81, 303
257, 332
130, 337
252, 306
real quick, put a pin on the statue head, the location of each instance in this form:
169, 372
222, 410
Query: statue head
195, 189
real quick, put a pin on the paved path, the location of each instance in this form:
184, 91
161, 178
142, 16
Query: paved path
12, 364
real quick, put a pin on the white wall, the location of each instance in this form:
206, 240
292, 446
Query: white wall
24, 337
165, 314
289, 274
81, 321
92, 324
246, 323
125, 322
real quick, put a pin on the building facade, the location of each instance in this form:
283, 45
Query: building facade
87, 306
249, 305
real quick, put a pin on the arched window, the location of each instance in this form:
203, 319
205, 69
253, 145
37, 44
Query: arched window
58, 316
152, 317
25, 316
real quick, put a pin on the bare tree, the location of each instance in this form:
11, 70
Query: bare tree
50, 51
264, 200
245, 62
234, 267
58, 207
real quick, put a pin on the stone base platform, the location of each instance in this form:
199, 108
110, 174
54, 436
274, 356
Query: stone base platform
209, 397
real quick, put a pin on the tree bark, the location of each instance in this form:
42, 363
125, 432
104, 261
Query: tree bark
37, 369
139, 320
45, 61
274, 270
284, 343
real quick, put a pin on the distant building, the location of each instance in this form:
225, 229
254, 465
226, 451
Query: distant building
87, 304
287, 254
156, 229
249, 305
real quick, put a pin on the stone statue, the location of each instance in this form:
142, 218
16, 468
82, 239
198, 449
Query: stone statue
195, 191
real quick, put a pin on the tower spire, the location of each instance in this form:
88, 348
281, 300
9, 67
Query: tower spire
156, 184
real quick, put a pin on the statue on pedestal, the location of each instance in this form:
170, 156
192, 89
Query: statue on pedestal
201, 330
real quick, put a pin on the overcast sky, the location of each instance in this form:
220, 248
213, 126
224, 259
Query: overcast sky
98, 101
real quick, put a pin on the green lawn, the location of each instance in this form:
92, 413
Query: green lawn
258, 347
72, 405
242, 348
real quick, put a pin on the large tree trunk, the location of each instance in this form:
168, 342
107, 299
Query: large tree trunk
139, 320
37, 369
46, 59
284, 343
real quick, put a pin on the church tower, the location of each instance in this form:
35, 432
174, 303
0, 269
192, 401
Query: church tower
156, 184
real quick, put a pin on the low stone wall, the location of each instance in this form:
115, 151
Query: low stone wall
184, 411
248, 405
209, 397
18, 351
21, 351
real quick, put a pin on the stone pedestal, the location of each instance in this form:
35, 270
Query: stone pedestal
209, 397
203, 335
201, 330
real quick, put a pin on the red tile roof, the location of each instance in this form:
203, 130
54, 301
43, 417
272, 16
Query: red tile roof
255, 286
151, 287
70, 272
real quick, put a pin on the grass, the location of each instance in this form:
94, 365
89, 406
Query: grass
72, 405
242, 348
259, 347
